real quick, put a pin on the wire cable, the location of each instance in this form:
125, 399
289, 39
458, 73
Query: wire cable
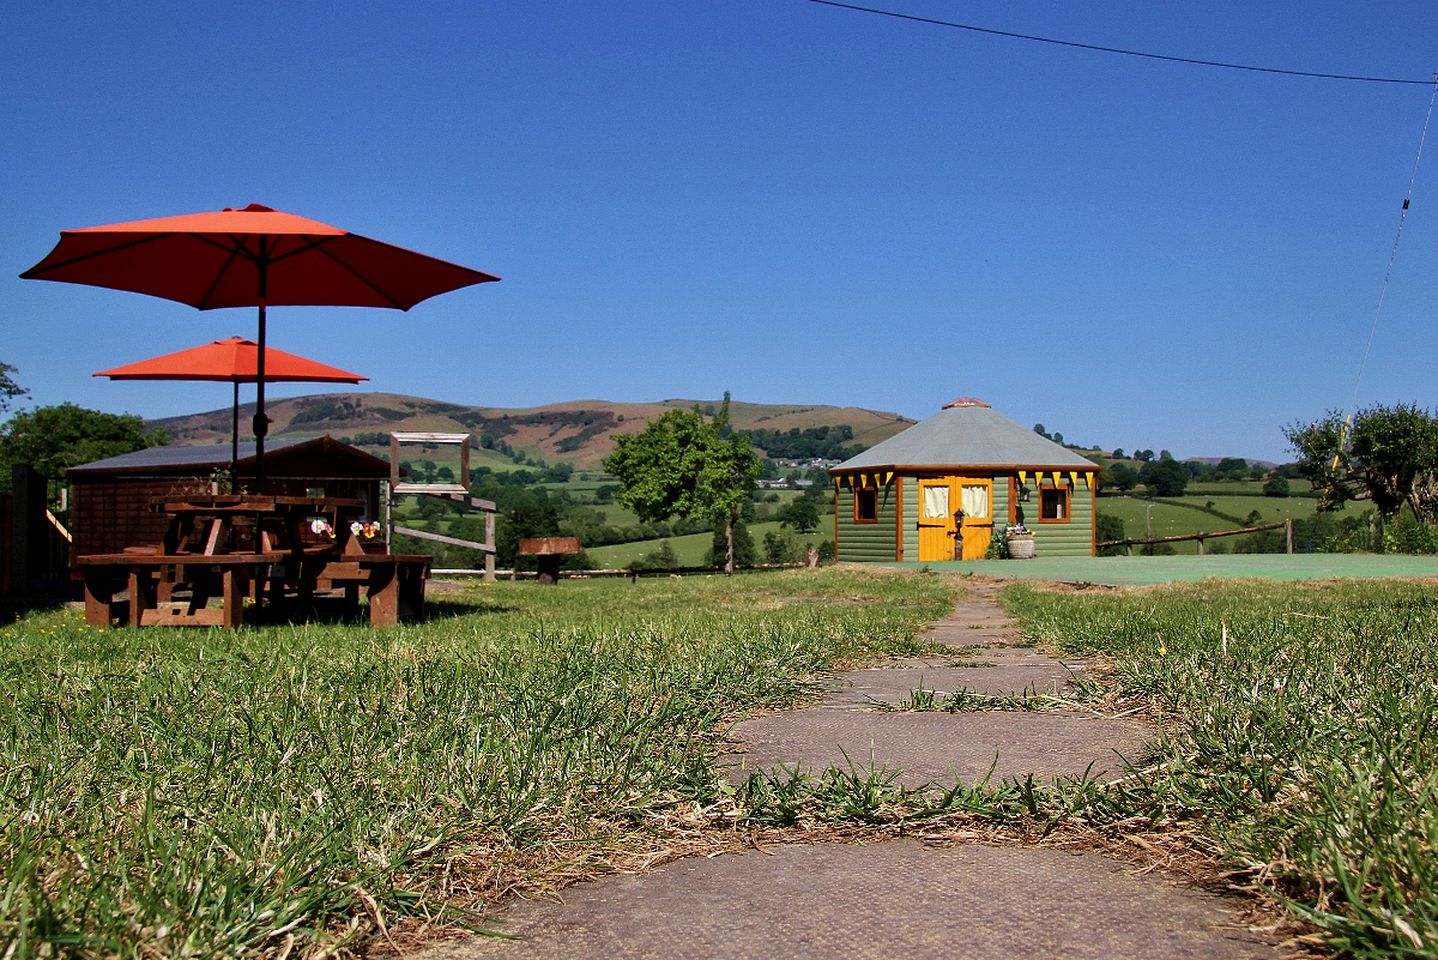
1354, 78
1393, 254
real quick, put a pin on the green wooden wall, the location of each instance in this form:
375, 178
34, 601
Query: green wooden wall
1072, 539
867, 542
875, 542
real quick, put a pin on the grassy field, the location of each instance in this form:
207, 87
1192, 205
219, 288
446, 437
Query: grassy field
1299, 744
302, 789
692, 549
1169, 519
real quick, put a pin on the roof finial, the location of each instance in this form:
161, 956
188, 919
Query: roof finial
965, 402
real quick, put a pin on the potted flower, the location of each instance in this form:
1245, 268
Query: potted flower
1020, 542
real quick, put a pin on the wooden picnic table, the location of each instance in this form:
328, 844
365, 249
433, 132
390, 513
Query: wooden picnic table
239, 547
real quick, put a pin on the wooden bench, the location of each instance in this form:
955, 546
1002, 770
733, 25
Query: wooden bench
394, 584
145, 575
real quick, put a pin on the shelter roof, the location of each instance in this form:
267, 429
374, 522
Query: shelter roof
967, 432
172, 460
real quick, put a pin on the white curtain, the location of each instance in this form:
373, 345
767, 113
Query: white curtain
936, 502
976, 501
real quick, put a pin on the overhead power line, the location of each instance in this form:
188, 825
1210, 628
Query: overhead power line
1312, 75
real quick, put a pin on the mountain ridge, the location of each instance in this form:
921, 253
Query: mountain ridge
578, 432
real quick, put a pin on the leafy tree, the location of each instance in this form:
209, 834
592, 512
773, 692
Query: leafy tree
53, 438
9, 389
1039, 429
1123, 477
1231, 468
1276, 487
733, 547
1143, 455
687, 466
782, 548
1109, 528
1164, 478
801, 514
1118, 453
663, 558
1389, 456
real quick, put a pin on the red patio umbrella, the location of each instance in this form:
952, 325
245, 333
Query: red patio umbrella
236, 360
257, 257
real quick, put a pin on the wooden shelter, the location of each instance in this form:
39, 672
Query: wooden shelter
939, 490
111, 499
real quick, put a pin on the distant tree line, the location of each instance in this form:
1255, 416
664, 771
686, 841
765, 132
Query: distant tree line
821, 443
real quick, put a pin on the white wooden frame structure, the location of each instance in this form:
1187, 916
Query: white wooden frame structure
457, 492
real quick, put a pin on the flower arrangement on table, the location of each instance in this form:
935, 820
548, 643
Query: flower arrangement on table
367, 530
322, 527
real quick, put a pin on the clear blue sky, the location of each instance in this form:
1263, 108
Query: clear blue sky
793, 202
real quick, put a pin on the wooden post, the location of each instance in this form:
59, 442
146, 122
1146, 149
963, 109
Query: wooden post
1288, 529
1200, 546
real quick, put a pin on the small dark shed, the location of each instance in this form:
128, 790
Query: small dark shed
110, 499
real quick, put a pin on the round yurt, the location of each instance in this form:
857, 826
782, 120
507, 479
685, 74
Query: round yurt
944, 487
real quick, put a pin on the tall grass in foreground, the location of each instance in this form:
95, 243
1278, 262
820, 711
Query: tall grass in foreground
1302, 736
293, 789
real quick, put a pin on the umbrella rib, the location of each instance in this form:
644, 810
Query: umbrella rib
38, 272
311, 243
234, 251
365, 280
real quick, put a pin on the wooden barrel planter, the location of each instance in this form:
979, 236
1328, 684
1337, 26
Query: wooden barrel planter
1021, 548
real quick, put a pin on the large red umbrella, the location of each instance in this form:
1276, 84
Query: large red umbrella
251, 257
236, 360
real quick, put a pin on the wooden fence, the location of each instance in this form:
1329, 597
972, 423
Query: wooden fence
1130, 542
34, 546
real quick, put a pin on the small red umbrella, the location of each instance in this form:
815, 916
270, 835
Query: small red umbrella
236, 360
256, 257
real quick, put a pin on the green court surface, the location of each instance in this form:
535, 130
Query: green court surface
1143, 571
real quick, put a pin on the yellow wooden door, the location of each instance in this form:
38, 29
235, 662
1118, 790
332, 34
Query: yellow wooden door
976, 499
937, 504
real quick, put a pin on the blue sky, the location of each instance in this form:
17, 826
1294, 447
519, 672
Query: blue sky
797, 203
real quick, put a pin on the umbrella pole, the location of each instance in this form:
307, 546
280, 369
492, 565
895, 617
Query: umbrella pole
234, 435
261, 422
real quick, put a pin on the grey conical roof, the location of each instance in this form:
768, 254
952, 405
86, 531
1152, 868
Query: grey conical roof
967, 432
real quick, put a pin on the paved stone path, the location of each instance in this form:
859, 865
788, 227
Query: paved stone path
849, 730
861, 900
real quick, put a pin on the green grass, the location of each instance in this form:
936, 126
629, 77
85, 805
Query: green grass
292, 788
1301, 742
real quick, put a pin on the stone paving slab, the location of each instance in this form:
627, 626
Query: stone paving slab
859, 688
933, 747
875, 901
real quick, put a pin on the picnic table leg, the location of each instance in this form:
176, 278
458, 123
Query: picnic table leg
383, 595
411, 590
99, 596
233, 591
142, 594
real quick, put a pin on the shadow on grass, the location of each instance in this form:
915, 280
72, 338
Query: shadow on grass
43, 598
334, 610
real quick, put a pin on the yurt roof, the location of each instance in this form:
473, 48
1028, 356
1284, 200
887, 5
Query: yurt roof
967, 432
